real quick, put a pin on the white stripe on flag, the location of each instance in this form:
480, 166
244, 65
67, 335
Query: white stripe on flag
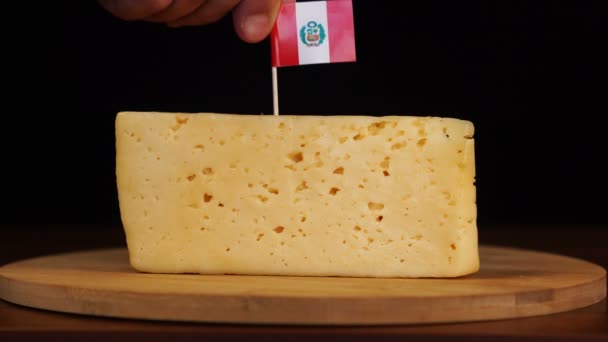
306, 12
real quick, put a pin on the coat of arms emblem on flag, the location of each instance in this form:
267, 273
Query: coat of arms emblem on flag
312, 34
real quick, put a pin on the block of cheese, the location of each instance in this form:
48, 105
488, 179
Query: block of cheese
350, 196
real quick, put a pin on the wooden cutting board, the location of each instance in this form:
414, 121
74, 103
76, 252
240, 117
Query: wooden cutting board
511, 283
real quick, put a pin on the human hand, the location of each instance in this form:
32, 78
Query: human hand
253, 19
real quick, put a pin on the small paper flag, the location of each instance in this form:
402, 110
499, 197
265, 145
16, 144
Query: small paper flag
313, 32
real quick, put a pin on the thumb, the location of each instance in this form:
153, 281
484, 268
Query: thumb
254, 19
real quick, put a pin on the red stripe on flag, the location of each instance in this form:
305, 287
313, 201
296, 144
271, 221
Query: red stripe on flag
284, 37
341, 31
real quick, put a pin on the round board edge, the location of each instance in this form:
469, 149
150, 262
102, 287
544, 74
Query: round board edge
260, 310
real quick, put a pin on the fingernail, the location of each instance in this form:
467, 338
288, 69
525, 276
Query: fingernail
255, 26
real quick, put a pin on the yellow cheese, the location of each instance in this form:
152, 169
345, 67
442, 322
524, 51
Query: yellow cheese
367, 196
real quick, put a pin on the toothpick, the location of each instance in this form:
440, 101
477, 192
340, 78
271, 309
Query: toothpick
275, 91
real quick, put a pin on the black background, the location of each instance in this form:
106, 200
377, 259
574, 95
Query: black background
527, 73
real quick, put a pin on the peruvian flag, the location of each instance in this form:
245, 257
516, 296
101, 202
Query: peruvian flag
313, 32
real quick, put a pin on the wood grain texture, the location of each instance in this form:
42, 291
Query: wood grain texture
511, 283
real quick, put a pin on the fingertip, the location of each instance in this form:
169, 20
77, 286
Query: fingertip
254, 28
159, 5
134, 9
254, 19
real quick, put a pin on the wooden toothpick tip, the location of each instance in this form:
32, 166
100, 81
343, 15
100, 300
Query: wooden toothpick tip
275, 92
